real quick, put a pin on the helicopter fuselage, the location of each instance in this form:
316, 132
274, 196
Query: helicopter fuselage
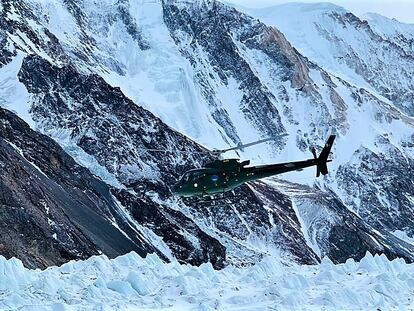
223, 175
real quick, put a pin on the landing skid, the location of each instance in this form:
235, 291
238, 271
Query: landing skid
213, 200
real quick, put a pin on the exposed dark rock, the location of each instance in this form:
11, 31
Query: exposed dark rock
339, 233
53, 210
176, 230
212, 27
130, 24
113, 129
379, 178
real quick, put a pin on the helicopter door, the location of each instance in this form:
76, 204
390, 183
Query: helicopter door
226, 178
196, 178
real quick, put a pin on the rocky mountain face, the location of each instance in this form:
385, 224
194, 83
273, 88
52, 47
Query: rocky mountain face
103, 82
52, 209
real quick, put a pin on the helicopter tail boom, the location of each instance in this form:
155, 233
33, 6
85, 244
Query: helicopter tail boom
321, 167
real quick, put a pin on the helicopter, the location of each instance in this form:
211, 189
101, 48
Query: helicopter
222, 175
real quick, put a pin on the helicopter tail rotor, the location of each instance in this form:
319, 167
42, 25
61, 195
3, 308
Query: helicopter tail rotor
322, 160
318, 171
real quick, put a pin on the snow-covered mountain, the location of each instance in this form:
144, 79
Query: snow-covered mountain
375, 57
375, 53
106, 80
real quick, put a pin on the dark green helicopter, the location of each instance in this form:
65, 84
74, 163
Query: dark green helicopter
221, 176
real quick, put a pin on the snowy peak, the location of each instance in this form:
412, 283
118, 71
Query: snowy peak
374, 54
291, 9
386, 21
393, 31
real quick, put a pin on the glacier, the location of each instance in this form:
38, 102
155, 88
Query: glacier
104, 80
130, 282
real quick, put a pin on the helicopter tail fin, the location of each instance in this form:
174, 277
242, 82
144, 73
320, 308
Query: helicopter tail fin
321, 167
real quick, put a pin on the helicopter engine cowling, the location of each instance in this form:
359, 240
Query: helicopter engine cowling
245, 163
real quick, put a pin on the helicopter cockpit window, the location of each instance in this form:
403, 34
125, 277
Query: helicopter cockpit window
186, 177
196, 175
191, 176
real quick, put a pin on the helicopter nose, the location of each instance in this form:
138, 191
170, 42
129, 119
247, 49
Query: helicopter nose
176, 188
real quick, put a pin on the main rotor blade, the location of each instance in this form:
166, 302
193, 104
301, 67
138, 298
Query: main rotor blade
249, 144
220, 151
166, 150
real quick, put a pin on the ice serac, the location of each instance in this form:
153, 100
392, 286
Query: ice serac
129, 281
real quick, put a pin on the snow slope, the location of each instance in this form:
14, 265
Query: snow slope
132, 283
375, 53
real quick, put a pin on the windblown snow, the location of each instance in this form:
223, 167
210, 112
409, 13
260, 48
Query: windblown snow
130, 282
